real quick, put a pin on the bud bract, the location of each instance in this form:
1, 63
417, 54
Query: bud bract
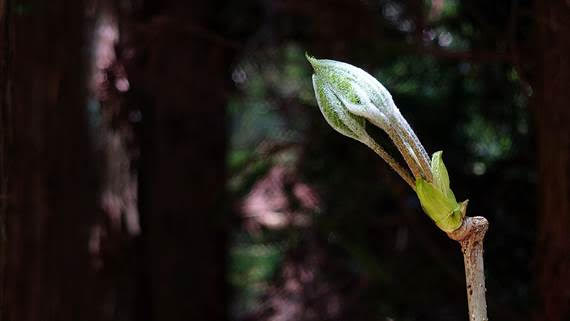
437, 199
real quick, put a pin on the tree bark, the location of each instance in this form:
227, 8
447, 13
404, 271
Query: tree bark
50, 188
178, 77
5, 134
552, 113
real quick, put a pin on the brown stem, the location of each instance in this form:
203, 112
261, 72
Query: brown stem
470, 235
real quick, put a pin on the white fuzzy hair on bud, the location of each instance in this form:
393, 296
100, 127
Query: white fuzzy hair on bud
362, 95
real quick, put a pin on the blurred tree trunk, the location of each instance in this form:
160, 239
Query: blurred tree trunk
5, 133
175, 60
50, 190
552, 111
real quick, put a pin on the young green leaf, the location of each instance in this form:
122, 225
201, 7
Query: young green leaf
444, 211
440, 176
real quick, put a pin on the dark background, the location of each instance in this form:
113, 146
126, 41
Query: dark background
166, 160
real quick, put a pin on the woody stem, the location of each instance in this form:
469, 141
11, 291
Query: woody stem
470, 235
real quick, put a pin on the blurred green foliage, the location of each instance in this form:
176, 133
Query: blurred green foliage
384, 257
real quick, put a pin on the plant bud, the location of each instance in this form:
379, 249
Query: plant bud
336, 114
348, 96
360, 93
